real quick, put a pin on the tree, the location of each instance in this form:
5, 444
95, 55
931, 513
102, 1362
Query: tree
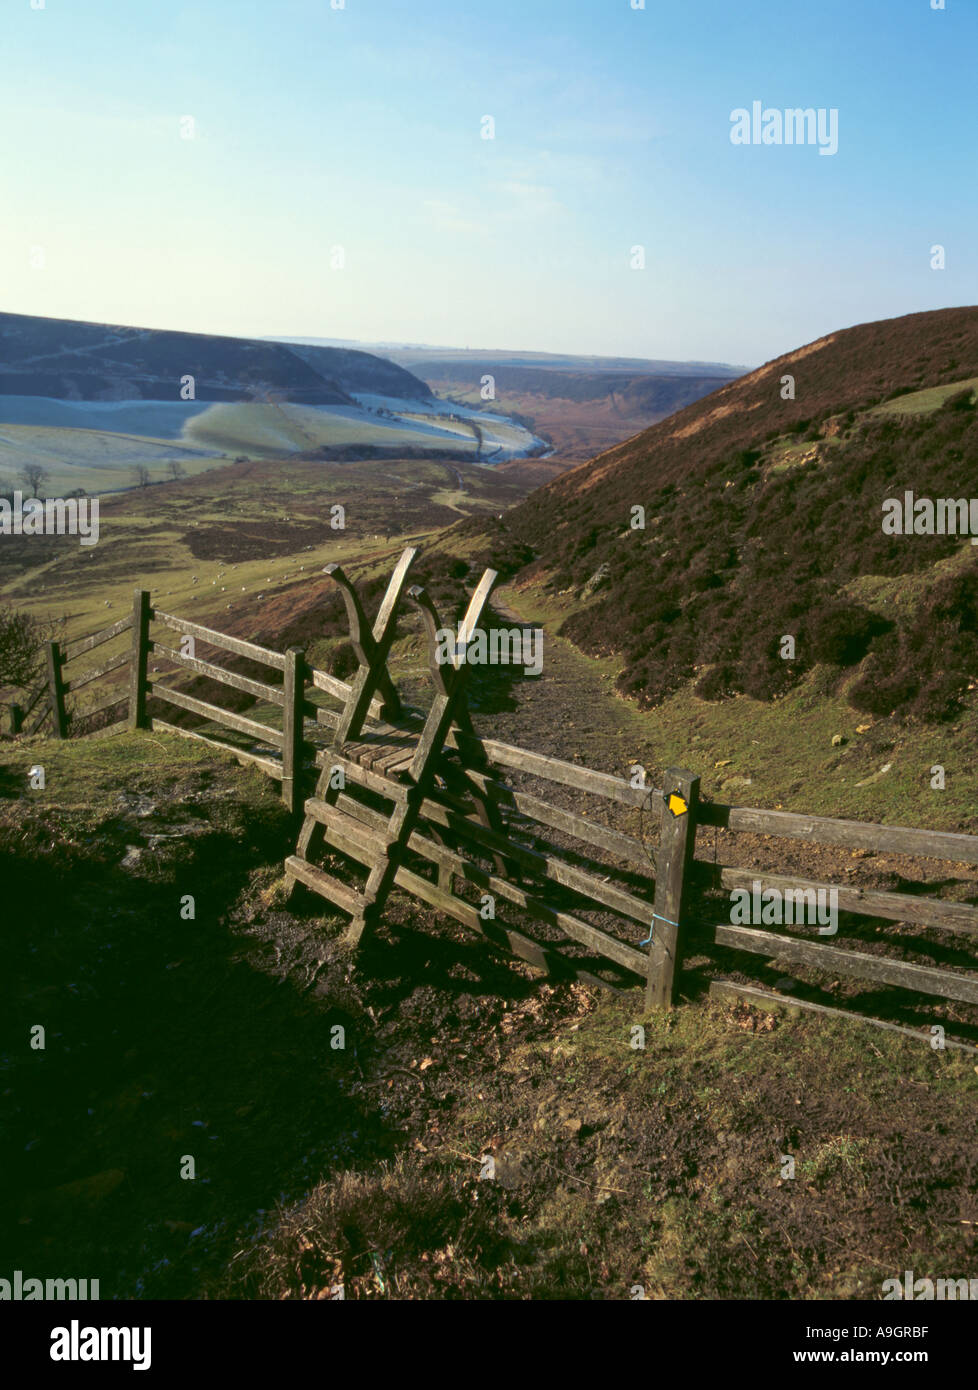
140, 475
176, 470
21, 640
33, 476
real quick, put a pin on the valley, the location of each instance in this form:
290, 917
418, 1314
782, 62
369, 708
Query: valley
93, 407
471, 1053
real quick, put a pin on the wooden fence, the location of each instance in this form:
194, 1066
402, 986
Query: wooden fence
468, 824
954, 918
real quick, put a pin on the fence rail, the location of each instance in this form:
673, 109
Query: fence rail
457, 812
940, 914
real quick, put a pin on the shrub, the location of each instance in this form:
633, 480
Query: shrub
717, 683
21, 639
841, 633
343, 661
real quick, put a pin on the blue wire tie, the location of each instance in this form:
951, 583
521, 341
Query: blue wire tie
648, 939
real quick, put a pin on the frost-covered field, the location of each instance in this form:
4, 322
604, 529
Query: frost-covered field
502, 438
155, 419
95, 444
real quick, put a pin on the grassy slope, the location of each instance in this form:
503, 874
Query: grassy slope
784, 748
256, 543
616, 1167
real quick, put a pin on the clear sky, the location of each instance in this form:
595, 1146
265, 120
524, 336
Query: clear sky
360, 128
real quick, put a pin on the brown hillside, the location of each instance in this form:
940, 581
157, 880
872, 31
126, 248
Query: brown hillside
844, 370
762, 517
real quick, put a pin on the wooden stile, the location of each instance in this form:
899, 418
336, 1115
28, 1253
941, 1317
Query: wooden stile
451, 808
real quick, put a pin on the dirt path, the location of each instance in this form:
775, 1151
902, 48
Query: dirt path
570, 710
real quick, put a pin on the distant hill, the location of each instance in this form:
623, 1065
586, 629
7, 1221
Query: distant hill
579, 404
421, 355
661, 393
763, 518
98, 406
67, 359
579, 412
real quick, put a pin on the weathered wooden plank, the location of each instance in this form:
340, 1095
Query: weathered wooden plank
368, 754
56, 690
139, 651
338, 819
601, 942
44, 713
110, 730
898, 839
446, 677
503, 937
325, 885
678, 803
80, 645
351, 837
113, 665
403, 821
555, 770
221, 639
622, 846
764, 999
376, 755
355, 751
315, 714
268, 765
272, 694
544, 864
119, 698
292, 744
35, 699
372, 647
395, 791
393, 758
923, 978
322, 680
399, 764
898, 907
216, 714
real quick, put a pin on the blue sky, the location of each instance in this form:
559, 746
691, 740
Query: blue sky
359, 128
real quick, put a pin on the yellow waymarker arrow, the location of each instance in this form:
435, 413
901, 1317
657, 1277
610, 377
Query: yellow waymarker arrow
676, 804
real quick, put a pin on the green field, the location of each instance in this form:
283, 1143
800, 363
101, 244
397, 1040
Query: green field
924, 402
240, 546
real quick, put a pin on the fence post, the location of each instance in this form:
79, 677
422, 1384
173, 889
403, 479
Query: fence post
292, 720
680, 794
56, 690
138, 659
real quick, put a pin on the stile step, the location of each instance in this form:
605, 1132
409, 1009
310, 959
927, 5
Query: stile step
326, 885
